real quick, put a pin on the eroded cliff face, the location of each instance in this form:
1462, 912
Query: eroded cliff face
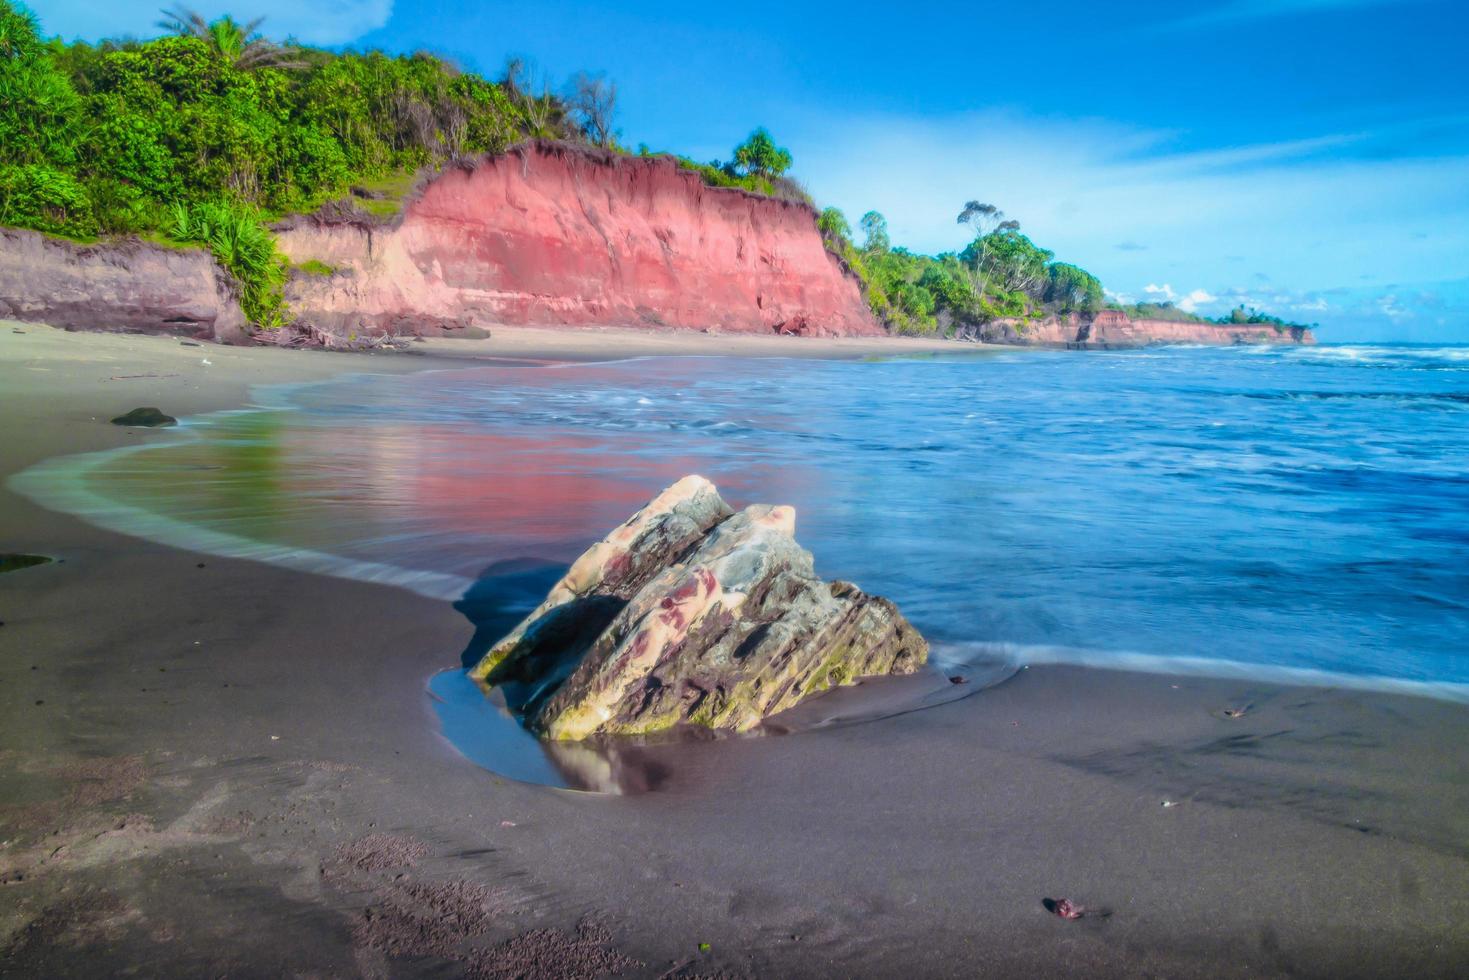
1112, 329
128, 286
550, 234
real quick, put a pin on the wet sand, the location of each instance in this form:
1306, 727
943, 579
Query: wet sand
215, 767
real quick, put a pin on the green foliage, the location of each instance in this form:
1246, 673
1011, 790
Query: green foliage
1239, 316
239, 44
1001, 274
717, 174
1159, 311
315, 267
212, 119
1248, 315
1071, 288
833, 226
39, 109
758, 166
1008, 261
874, 233
36, 196
20, 35
760, 157
240, 243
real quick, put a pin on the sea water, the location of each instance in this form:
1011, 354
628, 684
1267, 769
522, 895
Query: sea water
1290, 513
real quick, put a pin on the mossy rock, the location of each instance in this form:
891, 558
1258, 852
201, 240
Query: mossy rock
692, 615
150, 418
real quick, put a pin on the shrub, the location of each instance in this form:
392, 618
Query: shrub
40, 197
240, 243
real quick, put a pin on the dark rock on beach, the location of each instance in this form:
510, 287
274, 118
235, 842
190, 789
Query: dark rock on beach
691, 614
150, 417
11, 562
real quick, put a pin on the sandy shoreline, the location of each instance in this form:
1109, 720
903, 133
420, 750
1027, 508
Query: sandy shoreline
217, 767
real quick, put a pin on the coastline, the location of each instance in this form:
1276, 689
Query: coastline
213, 744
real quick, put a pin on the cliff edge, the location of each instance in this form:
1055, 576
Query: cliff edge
130, 286
550, 234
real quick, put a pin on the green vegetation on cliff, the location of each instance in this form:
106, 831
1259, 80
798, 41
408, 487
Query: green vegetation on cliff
205, 135
758, 165
1000, 274
1239, 316
201, 136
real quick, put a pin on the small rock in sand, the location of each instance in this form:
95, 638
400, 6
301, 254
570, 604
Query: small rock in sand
1067, 909
149, 417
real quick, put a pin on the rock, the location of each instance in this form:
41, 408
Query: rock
126, 285
150, 417
691, 614
12, 562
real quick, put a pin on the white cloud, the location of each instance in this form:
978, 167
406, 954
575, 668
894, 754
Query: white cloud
1195, 299
316, 22
1189, 302
1313, 213
1391, 308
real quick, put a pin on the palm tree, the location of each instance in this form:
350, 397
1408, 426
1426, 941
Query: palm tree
239, 44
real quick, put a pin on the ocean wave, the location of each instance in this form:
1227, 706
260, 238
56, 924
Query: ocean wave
1020, 656
1449, 398
1383, 356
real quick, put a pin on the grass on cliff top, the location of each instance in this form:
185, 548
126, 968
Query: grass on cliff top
383, 197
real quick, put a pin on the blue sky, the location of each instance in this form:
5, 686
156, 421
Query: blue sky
1310, 157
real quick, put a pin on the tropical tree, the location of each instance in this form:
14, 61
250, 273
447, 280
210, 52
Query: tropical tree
529, 90
760, 156
875, 233
239, 44
593, 104
1072, 288
40, 111
20, 35
982, 219
1009, 261
833, 226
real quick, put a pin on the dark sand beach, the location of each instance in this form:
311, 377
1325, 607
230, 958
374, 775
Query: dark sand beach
217, 767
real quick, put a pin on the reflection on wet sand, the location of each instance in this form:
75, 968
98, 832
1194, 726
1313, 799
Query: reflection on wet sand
436, 497
481, 726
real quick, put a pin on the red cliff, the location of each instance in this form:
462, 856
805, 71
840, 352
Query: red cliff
551, 234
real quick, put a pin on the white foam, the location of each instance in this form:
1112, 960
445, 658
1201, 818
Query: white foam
1026, 655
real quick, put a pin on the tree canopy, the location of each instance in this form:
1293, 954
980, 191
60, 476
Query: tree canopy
1000, 273
759, 155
